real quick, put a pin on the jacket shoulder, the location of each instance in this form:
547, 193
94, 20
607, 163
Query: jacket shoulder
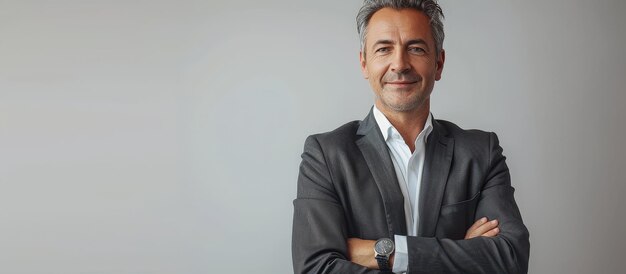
338, 137
474, 141
456, 131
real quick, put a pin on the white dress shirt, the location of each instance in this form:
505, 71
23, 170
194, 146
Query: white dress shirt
409, 168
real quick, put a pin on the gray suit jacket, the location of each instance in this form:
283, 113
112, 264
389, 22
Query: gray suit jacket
347, 187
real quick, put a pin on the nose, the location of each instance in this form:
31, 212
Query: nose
400, 62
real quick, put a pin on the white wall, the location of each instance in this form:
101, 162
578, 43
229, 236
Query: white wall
164, 136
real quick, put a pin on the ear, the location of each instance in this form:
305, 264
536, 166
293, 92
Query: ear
363, 65
440, 62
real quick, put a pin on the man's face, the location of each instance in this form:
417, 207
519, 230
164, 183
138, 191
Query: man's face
400, 60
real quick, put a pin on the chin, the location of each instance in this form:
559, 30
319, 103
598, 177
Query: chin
403, 105
403, 108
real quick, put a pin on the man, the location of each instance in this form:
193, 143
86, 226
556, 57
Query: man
401, 191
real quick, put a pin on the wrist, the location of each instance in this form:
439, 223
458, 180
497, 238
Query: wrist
384, 250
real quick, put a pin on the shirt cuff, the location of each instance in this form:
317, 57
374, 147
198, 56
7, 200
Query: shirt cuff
401, 257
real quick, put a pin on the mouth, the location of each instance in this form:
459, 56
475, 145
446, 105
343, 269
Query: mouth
401, 83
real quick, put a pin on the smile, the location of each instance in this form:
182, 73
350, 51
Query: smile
401, 83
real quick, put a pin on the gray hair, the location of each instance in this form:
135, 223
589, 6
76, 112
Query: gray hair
428, 7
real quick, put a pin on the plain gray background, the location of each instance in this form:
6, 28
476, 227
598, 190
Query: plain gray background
165, 136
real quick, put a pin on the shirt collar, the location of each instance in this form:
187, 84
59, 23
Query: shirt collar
388, 130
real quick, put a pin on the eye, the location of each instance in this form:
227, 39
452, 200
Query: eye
417, 50
382, 50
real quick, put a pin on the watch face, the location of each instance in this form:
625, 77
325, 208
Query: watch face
384, 246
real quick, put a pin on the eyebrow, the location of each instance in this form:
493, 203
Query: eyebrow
410, 42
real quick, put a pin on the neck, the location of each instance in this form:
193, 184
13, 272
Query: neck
408, 123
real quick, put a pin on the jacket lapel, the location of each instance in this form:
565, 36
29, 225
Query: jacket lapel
438, 158
376, 154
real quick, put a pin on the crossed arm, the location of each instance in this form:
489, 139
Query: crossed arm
361, 251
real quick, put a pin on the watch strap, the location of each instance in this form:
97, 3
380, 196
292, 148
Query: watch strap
383, 263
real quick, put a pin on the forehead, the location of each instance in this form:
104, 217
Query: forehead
403, 24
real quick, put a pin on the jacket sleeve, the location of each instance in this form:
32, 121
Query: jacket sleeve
507, 252
319, 227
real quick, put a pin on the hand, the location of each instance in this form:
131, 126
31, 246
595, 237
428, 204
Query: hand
362, 252
483, 228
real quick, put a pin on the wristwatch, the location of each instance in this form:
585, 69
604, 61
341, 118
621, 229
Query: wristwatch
383, 248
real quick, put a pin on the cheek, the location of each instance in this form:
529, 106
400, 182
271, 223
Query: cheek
374, 83
428, 72
377, 67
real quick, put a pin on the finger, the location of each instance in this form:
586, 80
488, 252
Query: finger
482, 229
471, 231
491, 233
478, 223
486, 227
